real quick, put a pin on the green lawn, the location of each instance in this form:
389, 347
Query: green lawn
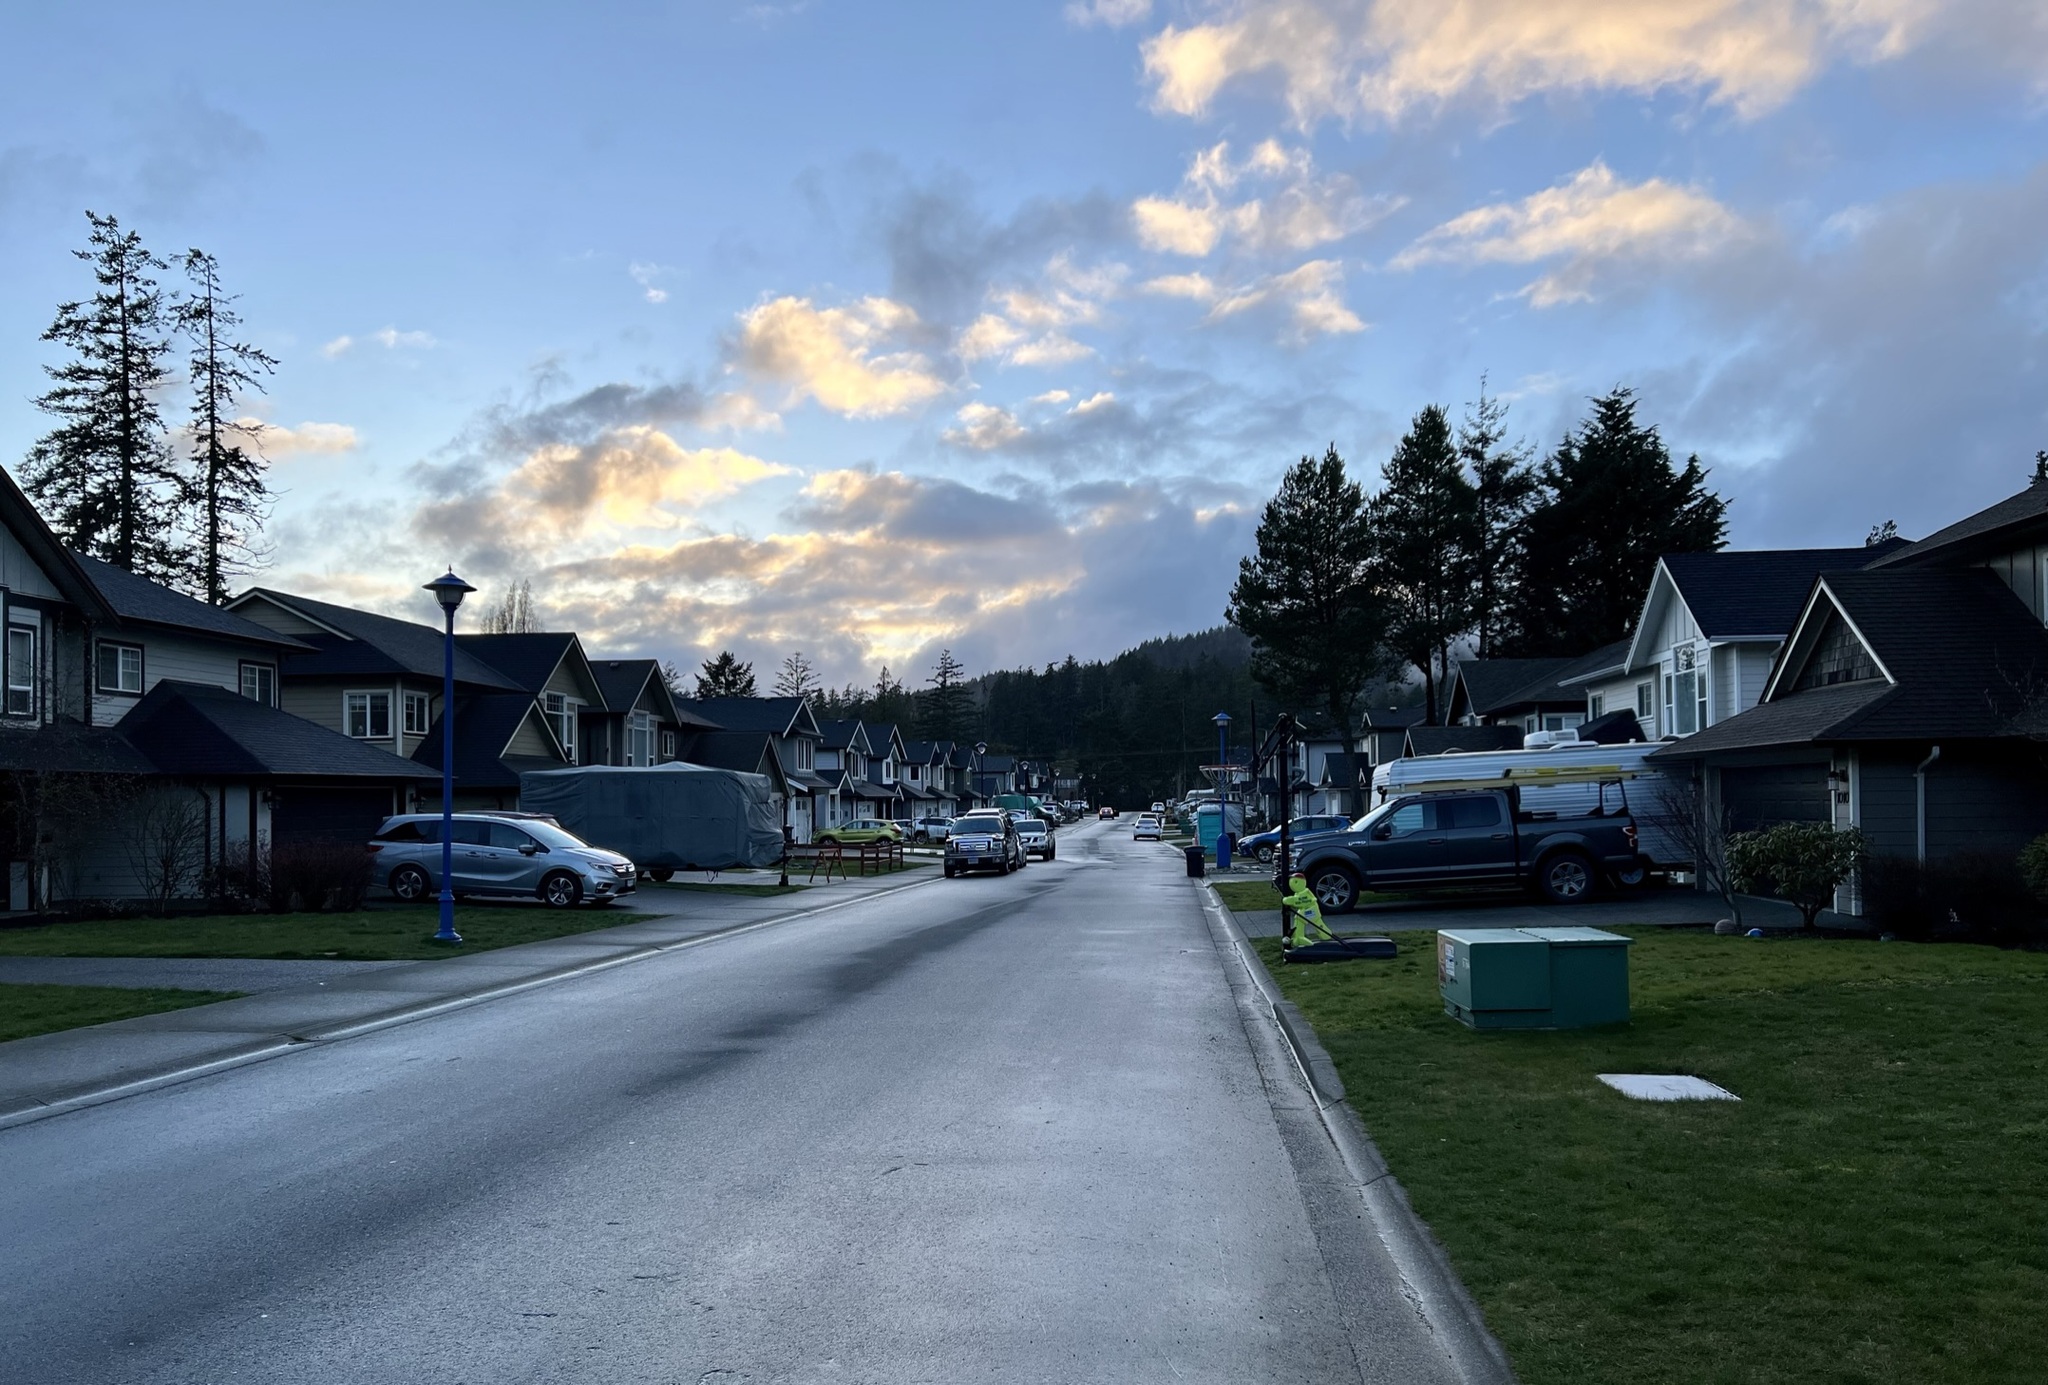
1251, 896
372, 935
26, 1010
1875, 1209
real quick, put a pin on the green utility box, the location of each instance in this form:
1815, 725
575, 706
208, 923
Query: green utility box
1533, 978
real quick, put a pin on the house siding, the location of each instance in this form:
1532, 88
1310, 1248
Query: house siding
528, 740
272, 616
1886, 809
1977, 802
180, 659
21, 574
2025, 570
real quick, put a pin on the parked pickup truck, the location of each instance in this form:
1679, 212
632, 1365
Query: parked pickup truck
1473, 839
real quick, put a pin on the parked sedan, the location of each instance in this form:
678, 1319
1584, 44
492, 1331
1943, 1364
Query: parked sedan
984, 841
861, 832
1263, 845
509, 856
932, 829
1146, 826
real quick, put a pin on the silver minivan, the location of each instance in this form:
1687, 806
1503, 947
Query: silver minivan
520, 856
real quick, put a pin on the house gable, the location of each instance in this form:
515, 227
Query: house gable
1824, 649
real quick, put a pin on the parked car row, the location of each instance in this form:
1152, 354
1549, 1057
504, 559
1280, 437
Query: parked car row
513, 855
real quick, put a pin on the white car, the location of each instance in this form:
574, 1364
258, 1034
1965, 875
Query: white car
1159, 808
1145, 826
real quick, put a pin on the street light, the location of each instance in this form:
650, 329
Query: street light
448, 589
980, 779
1222, 720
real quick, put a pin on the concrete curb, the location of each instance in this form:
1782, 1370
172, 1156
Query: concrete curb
1425, 1268
261, 1050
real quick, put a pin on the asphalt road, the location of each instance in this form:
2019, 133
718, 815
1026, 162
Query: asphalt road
987, 1129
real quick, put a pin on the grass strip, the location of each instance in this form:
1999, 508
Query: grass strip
723, 887
27, 1010
369, 935
1874, 1211
1255, 896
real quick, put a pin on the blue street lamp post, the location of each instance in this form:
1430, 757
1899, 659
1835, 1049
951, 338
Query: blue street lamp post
980, 779
448, 589
1222, 720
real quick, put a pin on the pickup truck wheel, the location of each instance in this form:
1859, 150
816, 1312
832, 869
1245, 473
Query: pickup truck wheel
1336, 889
949, 870
1631, 877
1566, 878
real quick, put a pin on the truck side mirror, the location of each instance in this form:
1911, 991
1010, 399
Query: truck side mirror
1384, 832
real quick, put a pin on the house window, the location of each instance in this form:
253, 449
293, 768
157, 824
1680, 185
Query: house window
1596, 705
1645, 696
259, 683
803, 754
561, 714
366, 715
640, 739
21, 671
120, 668
419, 713
1685, 691
668, 745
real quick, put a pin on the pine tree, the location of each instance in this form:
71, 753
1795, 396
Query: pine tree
726, 676
1505, 486
946, 706
1613, 504
105, 476
229, 490
1306, 599
893, 703
1426, 519
796, 678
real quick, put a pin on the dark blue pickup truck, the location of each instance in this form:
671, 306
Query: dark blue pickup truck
1472, 839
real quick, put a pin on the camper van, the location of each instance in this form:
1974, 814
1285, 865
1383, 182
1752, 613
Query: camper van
1562, 778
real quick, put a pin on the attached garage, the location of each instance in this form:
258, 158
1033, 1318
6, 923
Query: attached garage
1757, 796
327, 812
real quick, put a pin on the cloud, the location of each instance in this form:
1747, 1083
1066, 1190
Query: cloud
1310, 296
1593, 220
390, 338
306, 439
1027, 326
1111, 14
1303, 212
984, 428
852, 360
627, 476
645, 275
1387, 59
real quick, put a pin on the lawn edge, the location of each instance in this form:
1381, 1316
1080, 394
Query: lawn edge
1427, 1274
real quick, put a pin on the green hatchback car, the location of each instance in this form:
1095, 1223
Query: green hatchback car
861, 832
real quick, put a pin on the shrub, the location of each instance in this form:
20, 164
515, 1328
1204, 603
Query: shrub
2033, 866
1974, 897
321, 876
1800, 862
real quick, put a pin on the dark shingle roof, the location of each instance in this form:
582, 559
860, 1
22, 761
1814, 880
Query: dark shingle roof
771, 714
374, 644
1388, 718
1758, 592
139, 599
484, 724
621, 681
528, 660
920, 752
1961, 646
200, 729
1608, 658
752, 752
1493, 685
2027, 510
839, 732
1346, 770
70, 747
1445, 740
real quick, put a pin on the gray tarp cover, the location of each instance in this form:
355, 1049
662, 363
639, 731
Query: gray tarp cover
685, 817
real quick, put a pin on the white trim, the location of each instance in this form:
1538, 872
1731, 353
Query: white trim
290, 610
1799, 643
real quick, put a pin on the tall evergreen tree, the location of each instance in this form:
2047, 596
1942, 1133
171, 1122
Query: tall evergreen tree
726, 676
945, 709
1505, 486
1613, 504
796, 677
1426, 522
228, 486
1305, 598
105, 476
893, 703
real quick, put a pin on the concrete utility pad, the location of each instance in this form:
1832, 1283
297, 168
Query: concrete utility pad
1650, 1086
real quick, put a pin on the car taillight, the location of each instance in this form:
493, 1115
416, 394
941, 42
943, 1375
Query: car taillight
1631, 831
375, 847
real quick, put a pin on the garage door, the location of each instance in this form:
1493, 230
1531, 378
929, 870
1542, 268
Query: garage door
318, 813
1758, 797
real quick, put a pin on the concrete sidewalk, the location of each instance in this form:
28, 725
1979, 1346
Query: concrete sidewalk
51, 1073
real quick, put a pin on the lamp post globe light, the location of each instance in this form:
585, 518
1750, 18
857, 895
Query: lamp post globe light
448, 589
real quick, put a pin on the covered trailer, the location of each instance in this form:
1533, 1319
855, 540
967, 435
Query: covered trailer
665, 817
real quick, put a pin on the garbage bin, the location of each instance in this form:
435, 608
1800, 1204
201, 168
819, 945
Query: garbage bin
1195, 861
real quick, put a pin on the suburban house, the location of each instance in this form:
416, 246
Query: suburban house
1909, 699
1386, 732
641, 723
133, 715
926, 781
1519, 693
1457, 740
843, 756
552, 669
992, 775
1711, 624
791, 731
749, 752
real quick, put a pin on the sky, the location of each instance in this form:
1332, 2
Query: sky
870, 329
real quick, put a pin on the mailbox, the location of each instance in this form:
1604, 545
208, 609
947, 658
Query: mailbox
1533, 978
